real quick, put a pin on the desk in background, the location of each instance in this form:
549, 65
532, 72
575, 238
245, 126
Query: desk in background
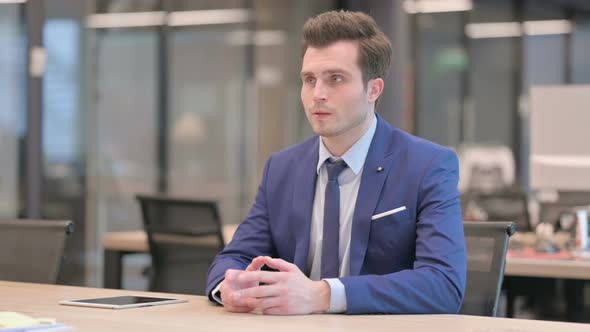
547, 267
199, 314
525, 262
118, 244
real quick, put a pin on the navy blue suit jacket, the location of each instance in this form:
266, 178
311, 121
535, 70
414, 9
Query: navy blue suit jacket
413, 261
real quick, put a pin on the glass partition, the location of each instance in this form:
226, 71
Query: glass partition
13, 109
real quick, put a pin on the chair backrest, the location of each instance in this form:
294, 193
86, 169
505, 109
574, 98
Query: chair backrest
184, 237
501, 205
32, 250
487, 243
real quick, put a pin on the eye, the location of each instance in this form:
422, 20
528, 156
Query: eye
309, 80
337, 78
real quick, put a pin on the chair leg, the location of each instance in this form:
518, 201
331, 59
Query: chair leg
510, 298
574, 297
112, 269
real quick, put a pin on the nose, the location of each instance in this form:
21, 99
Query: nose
320, 93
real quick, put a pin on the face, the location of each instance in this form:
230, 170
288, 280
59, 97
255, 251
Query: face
336, 102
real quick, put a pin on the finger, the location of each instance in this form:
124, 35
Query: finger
234, 300
234, 308
278, 310
267, 302
261, 291
231, 279
260, 276
281, 265
259, 297
226, 298
231, 275
257, 263
227, 294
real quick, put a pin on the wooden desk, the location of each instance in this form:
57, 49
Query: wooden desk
199, 314
547, 268
118, 244
544, 265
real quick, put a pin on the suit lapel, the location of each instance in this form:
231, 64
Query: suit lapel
372, 180
303, 196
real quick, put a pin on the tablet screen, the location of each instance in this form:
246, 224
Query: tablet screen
122, 302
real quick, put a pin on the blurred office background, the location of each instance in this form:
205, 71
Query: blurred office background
104, 99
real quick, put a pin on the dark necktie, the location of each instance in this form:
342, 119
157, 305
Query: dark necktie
330, 261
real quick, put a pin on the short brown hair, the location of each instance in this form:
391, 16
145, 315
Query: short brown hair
374, 46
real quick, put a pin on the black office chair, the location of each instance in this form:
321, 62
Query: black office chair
32, 250
487, 243
184, 237
508, 204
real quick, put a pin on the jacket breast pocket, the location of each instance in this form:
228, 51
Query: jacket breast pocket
391, 242
392, 230
392, 216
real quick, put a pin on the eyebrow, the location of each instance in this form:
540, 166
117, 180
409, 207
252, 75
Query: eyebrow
328, 72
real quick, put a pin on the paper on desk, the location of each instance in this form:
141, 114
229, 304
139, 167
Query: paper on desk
15, 322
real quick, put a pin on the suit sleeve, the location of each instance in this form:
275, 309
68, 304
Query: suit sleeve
436, 282
251, 239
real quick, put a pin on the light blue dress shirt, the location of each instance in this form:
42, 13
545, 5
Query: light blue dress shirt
349, 180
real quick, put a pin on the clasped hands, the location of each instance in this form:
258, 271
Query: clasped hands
284, 292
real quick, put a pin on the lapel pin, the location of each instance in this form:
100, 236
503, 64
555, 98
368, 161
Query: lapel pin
380, 169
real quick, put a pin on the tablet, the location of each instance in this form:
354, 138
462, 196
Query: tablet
122, 302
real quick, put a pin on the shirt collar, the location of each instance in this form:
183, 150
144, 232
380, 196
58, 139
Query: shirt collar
356, 155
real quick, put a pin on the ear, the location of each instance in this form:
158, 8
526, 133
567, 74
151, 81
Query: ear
374, 89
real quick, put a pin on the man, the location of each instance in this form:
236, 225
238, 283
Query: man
363, 218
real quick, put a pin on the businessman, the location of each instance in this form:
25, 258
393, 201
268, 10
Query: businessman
362, 218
